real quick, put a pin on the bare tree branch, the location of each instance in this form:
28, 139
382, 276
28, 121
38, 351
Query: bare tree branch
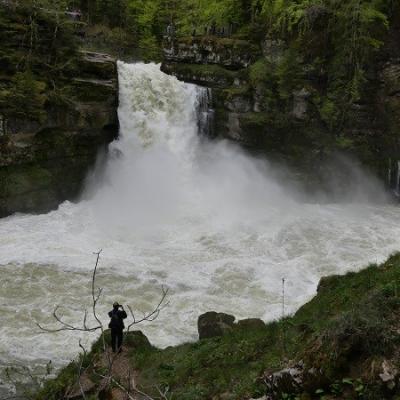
65, 326
151, 316
108, 375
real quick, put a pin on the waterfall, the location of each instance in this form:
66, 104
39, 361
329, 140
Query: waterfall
205, 112
217, 226
394, 177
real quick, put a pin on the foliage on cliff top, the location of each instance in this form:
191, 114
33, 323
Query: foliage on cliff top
337, 43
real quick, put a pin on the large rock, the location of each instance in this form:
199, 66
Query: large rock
293, 379
137, 340
251, 323
212, 324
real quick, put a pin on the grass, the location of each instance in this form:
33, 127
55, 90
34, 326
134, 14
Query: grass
345, 331
351, 319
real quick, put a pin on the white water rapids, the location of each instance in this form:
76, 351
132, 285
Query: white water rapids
213, 224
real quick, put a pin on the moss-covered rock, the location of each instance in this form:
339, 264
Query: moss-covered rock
205, 75
58, 108
226, 52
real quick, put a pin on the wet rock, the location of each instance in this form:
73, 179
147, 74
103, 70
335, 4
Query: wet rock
258, 99
205, 75
293, 379
389, 375
238, 104
300, 103
226, 52
390, 76
288, 380
96, 64
233, 129
212, 324
273, 50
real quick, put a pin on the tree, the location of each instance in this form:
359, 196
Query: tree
84, 362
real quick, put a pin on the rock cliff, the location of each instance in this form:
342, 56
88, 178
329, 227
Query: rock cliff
272, 96
58, 109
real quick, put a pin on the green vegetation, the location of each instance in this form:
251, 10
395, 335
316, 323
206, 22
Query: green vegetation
327, 37
38, 51
331, 41
349, 325
328, 51
345, 332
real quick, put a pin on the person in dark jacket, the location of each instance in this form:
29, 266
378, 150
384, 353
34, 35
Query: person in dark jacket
117, 315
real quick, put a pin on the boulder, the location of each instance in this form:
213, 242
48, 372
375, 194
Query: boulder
251, 323
137, 339
288, 380
212, 324
293, 379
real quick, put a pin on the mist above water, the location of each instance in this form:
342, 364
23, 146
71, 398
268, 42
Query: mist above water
219, 227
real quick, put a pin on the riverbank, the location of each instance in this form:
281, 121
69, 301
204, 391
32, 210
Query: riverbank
343, 344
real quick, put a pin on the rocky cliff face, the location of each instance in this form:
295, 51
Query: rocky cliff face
58, 108
43, 163
261, 102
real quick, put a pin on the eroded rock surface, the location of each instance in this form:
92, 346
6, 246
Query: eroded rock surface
35, 155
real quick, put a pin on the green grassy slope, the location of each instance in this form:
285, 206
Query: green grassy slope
345, 332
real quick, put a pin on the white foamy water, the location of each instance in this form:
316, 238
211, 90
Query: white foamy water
204, 219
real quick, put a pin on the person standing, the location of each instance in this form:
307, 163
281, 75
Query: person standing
117, 315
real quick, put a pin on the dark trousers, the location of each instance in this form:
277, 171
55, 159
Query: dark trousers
116, 339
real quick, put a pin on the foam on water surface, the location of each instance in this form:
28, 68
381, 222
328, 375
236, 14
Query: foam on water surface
208, 221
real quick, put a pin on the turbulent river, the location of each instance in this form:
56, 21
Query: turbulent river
217, 226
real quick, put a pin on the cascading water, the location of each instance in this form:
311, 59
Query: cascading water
216, 226
394, 177
205, 113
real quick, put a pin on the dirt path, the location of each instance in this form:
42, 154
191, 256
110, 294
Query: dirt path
124, 379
